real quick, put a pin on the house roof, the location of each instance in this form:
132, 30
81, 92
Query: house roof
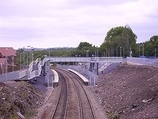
7, 51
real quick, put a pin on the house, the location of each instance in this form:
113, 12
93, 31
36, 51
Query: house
9, 54
2, 62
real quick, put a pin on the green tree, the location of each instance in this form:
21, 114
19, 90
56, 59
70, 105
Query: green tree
119, 42
151, 47
86, 49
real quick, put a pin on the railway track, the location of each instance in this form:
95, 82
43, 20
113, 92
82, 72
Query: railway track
84, 109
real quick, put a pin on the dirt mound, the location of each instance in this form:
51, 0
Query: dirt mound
129, 92
18, 99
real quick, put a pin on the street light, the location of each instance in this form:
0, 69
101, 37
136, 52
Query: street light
49, 53
139, 50
12, 63
31, 49
32, 53
20, 59
155, 52
1, 66
6, 69
120, 52
87, 53
143, 49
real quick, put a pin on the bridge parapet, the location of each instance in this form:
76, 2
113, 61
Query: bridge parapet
84, 59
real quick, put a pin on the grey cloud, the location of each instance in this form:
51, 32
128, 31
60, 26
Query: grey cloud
66, 20
19, 34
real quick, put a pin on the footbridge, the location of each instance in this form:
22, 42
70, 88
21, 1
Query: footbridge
42, 67
38, 67
84, 59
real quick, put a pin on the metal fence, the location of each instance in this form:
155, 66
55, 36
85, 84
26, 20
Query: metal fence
142, 61
83, 69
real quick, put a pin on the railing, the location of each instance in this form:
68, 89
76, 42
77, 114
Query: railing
22, 74
155, 63
10, 76
31, 73
140, 61
31, 66
84, 59
38, 72
25, 74
18, 75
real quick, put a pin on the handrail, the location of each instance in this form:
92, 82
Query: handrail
31, 66
31, 73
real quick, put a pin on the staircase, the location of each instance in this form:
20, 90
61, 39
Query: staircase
34, 70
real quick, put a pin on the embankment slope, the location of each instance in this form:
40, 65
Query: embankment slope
129, 92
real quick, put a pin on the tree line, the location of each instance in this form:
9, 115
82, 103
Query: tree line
119, 42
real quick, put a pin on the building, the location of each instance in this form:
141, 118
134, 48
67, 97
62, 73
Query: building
7, 54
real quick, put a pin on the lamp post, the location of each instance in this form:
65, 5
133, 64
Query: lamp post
106, 52
12, 63
27, 59
49, 53
139, 50
28, 55
120, 52
155, 52
87, 53
23, 57
6, 69
32, 53
20, 61
1, 66
130, 52
143, 49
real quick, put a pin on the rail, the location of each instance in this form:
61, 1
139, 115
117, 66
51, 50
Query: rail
61, 105
85, 106
89, 102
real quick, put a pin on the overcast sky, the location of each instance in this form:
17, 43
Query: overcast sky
66, 23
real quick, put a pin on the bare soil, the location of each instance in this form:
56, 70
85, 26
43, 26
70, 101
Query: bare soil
129, 92
19, 100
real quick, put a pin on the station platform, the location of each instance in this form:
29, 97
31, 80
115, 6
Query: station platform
84, 79
56, 78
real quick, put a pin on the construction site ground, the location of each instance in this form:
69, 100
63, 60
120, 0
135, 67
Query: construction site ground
127, 92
